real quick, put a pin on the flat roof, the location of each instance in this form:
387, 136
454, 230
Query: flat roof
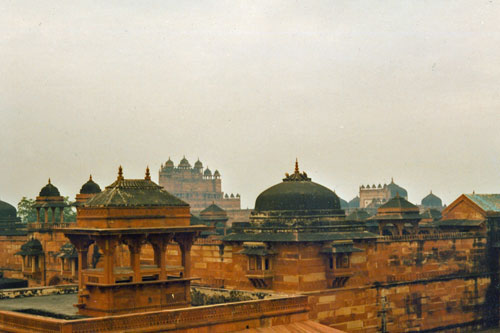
59, 304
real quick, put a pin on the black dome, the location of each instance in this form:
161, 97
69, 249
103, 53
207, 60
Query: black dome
90, 187
49, 190
297, 195
7, 210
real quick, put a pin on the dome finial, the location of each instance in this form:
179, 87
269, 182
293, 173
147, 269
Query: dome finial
49, 180
120, 173
296, 165
392, 180
148, 176
90, 177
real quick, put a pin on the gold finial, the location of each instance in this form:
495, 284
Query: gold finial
148, 176
90, 178
120, 173
296, 165
49, 180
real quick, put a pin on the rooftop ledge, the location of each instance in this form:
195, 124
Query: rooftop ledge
128, 231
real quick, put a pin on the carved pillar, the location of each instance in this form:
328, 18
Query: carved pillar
108, 247
185, 242
399, 228
159, 245
46, 213
53, 215
62, 265
73, 266
38, 214
61, 215
134, 246
33, 263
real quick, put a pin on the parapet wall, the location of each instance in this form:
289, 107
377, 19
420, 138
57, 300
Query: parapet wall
214, 318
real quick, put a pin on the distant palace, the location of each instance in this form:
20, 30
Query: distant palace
200, 188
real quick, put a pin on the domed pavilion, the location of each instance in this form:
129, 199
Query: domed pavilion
292, 217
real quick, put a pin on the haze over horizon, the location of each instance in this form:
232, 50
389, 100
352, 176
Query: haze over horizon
358, 91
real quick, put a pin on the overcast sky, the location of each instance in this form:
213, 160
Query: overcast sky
359, 91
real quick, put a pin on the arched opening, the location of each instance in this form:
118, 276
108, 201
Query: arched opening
54, 281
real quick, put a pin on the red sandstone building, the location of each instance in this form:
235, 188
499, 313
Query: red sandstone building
390, 273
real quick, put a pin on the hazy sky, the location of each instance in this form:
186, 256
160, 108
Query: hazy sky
359, 91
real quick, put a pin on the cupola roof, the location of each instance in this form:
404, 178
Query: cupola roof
207, 172
49, 190
169, 163
198, 164
90, 187
184, 163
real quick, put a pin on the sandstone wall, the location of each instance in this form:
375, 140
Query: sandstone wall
405, 283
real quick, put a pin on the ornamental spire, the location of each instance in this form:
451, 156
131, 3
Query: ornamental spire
148, 176
49, 180
90, 178
297, 175
120, 173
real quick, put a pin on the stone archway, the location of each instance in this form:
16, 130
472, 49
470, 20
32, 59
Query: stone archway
55, 280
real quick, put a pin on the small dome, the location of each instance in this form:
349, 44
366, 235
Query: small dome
169, 164
198, 165
395, 189
49, 190
432, 200
207, 173
226, 196
354, 203
232, 195
7, 211
184, 163
216, 174
90, 187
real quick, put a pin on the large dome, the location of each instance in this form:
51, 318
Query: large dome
7, 211
297, 192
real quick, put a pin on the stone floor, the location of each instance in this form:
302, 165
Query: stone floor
62, 304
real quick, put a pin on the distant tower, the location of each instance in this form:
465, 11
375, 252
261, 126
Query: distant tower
200, 188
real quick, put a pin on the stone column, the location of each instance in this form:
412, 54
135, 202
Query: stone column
62, 265
73, 266
185, 242
134, 246
46, 212
108, 247
61, 217
159, 244
22, 263
33, 263
53, 215
38, 214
